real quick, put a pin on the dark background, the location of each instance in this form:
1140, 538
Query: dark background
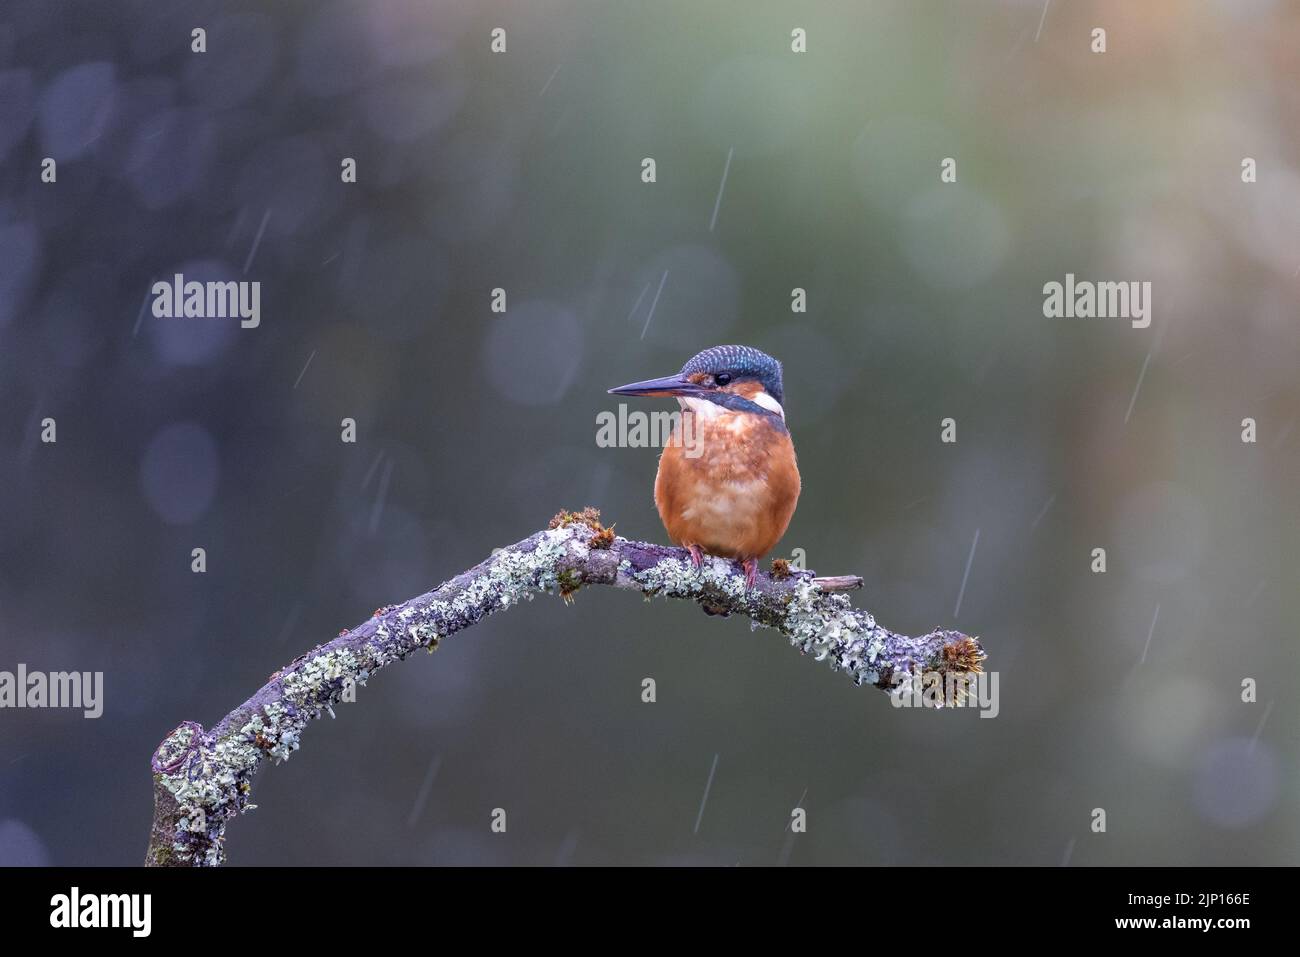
522, 170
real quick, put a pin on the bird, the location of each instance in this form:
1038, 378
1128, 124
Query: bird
728, 479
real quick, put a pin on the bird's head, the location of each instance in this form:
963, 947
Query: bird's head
738, 378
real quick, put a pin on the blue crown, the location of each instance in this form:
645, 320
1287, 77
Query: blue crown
740, 362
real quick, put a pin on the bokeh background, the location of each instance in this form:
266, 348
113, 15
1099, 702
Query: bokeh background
521, 170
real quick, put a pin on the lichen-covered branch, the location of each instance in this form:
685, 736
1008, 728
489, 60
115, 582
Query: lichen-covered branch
202, 779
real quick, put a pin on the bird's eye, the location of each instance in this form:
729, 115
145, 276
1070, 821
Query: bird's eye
722, 378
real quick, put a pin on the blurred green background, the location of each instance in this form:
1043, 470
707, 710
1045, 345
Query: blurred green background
521, 170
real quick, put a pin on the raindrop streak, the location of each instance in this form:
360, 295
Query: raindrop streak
1069, 853
705, 800
257, 241
637, 305
1147, 646
1036, 36
1268, 709
790, 823
1043, 512
1141, 376
140, 316
379, 499
422, 796
969, 559
662, 279
370, 473
787, 846
290, 623
547, 86
304, 369
717, 203
564, 856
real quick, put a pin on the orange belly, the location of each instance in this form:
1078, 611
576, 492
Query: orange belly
734, 499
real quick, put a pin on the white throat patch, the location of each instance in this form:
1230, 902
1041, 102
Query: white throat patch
769, 403
711, 410
701, 407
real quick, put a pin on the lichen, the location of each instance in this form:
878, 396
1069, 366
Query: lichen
210, 787
319, 677
675, 577
829, 628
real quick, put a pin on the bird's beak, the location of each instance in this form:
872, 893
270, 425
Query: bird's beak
668, 385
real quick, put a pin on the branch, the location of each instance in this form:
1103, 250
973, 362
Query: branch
202, 779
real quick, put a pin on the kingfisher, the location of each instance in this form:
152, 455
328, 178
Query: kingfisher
728, 479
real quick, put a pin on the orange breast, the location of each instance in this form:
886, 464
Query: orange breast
735, 497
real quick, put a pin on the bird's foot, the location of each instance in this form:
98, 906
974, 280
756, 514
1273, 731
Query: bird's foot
751, 571
697, 556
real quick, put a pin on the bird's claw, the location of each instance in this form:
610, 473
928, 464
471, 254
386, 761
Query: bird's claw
750, 565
